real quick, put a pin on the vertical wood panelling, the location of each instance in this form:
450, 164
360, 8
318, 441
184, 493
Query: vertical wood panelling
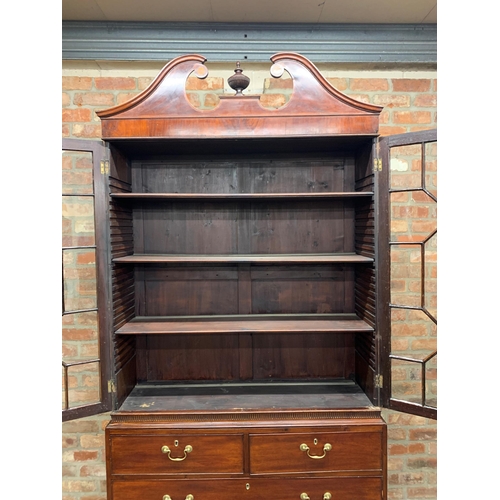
365, 291
122, 289
303, 356
191, 357
300, 290
244, 227
270, 174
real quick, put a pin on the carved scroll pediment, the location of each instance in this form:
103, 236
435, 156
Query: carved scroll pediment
314, 108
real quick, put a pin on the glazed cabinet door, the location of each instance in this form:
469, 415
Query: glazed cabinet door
87, 387
407, 204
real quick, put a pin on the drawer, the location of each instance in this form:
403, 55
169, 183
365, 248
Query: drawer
176, 454
338, 488
205, 489
316, 452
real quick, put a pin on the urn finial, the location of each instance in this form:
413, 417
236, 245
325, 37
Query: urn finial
238, 82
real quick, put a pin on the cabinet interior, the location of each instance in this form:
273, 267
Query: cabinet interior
245, 264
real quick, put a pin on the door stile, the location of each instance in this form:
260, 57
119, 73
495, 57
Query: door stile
104, 272
383, 270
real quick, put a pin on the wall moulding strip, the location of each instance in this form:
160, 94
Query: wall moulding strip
218, 42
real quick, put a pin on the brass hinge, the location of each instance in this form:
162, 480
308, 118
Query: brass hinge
379, 381
105, 167
111, 386
377, 165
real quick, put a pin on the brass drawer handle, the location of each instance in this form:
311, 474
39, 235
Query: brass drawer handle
304, 447
187, 449
326, 496
188, 497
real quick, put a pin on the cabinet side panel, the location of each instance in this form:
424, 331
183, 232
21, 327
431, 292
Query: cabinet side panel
122, 289
365, 285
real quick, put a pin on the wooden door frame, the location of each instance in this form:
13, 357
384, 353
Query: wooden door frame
384, 270
100, 162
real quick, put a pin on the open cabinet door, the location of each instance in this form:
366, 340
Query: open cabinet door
86, 349
407, 239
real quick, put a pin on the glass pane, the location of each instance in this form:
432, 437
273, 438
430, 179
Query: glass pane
406, 167
413, 357
413, 216
79, 279
406, 275
80, 350
83, 382
78, 221
77, 172
413, 334
406, 381
80, 336
430, 273
431, 382
431, 168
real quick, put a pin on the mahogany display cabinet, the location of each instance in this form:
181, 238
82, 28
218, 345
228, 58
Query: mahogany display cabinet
243, 295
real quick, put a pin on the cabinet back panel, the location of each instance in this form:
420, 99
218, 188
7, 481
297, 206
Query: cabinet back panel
210, 290
189, 357
306, 176
247, 226
320, 355
217, 357
179, 291
186, 227
302, 289
227, 227
265, 175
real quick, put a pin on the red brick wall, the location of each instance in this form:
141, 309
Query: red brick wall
410, 105
411, 457
83, 459
411, 462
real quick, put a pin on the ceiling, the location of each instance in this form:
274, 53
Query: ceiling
254, 11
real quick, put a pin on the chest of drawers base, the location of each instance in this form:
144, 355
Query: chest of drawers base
322, 455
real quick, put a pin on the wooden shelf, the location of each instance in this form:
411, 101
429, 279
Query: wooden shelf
312, 323
237, 196
258, 396
239, 259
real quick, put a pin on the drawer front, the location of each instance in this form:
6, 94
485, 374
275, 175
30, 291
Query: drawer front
338, 488
318, 452
177, 454
207, 489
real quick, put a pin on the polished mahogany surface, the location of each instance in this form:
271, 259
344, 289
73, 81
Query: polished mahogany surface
243, 257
